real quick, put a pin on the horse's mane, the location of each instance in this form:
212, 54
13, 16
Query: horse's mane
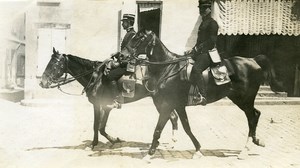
166, 50
83, 61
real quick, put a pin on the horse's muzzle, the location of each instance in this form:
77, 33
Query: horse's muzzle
44, 85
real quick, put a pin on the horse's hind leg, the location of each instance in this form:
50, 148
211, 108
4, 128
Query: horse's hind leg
252, 114
100, 120
104, 113
254, 123
252, 117
186, 126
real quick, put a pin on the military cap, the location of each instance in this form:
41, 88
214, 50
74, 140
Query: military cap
204, 3
128, 17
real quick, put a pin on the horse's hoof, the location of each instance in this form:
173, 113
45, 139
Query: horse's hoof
197, 155
93, 145
243, 155
118, 140
171, 145
259, 143
157, 144
147, 158
88, 148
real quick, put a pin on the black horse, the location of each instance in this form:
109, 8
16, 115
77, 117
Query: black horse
171, 92
82, 70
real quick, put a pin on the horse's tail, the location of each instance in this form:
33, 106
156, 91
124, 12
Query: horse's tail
269, 73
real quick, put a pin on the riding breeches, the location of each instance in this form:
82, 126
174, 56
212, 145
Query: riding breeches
116, 74
202, 62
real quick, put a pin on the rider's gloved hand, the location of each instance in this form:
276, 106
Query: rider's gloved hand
115, 55
189, 51
142, 57
106, 71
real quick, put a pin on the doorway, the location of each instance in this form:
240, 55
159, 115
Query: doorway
149, 16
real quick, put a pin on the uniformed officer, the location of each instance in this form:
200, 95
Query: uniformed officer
206, 40
118, 69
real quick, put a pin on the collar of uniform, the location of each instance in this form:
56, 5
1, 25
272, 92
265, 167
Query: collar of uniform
206, 17
129, 29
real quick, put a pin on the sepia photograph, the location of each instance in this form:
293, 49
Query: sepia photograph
149, 83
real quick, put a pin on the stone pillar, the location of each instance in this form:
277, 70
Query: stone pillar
31, 53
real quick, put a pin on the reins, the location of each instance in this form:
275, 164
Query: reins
174, 61
165, 75
73, 78
152, 44
69, 80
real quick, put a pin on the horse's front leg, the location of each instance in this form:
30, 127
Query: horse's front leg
96, 125
174, 122
164, 115
104, 113
186, 126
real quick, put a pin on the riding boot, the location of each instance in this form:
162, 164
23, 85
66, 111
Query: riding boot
201, 98
117, 99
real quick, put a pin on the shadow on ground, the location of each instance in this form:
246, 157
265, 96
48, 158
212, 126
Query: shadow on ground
139, 150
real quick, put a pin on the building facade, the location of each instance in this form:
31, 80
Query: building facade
91, 29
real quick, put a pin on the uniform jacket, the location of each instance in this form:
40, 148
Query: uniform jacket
207, 35
128, 36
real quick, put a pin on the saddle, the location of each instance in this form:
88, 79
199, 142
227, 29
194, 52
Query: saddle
220, 73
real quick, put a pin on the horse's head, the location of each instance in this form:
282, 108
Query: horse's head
141, 43
56, 67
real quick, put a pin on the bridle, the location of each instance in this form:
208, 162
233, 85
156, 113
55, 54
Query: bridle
59, 64
64, 63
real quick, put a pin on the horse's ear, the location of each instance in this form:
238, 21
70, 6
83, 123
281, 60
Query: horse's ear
55, 51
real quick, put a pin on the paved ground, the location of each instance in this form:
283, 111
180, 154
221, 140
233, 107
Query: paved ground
58, 135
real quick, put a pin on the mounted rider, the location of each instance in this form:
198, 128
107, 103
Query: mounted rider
206, 41
116, 72
117, 65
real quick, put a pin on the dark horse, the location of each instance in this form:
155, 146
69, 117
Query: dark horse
82, 71
171, 93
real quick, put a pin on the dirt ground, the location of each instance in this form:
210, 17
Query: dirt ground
59, 134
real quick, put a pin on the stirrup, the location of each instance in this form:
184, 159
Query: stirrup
199, 99
203, 101
115, 104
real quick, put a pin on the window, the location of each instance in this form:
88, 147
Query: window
21, 66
